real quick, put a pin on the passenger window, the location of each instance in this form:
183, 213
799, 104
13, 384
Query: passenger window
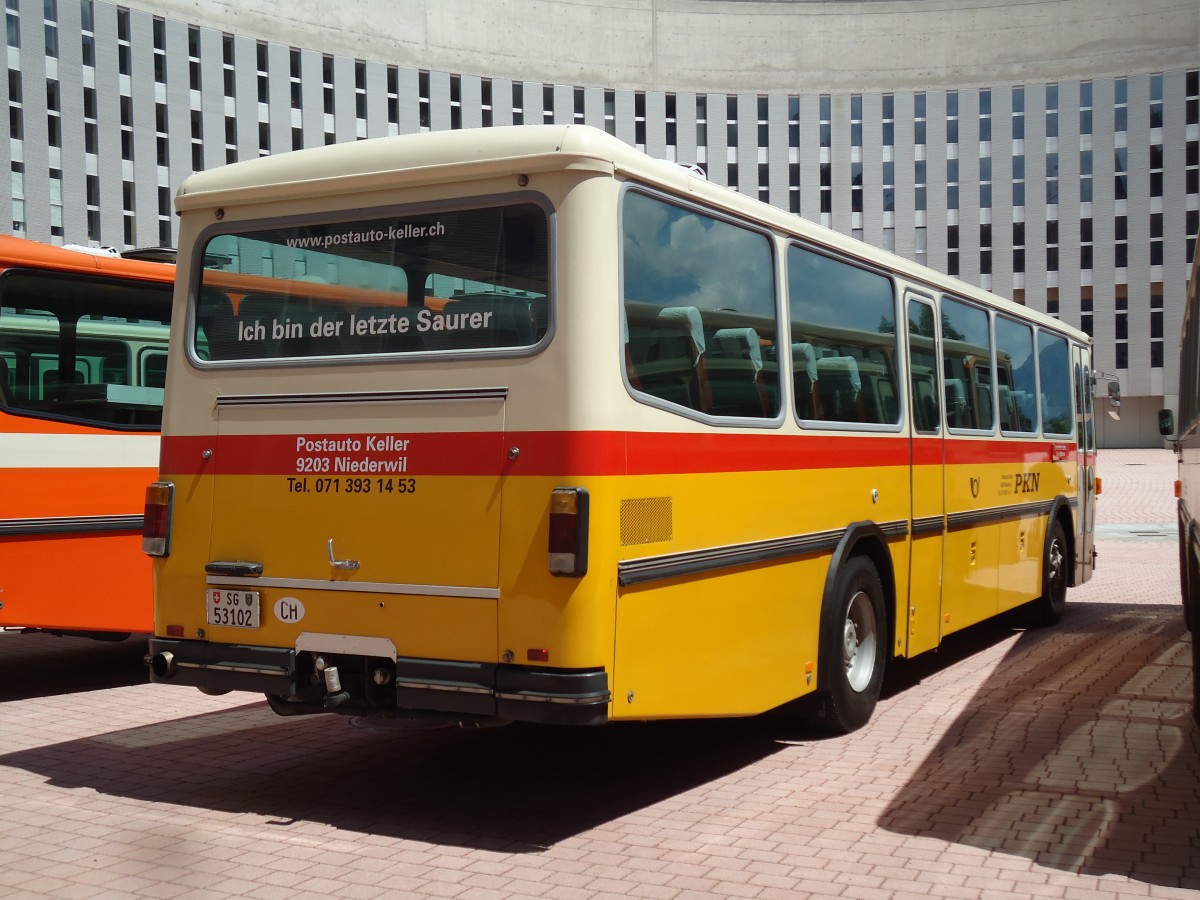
699, 304
1054, 365
922, 355
967, 366
1016, 376
72, 348
843, 321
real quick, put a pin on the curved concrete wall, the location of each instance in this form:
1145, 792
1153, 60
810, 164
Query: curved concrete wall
729, 46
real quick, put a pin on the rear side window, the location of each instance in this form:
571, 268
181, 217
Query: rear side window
84, 349
699, 301
454, 280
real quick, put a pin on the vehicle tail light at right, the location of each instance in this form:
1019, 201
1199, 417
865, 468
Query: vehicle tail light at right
156, 523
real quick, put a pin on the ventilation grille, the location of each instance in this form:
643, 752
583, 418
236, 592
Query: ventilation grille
645, 521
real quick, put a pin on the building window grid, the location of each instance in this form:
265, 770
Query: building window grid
295, 87
17, 170
393, 98
423, 103
328, 98
1156, 325
610, 111
639, 119
12, 21
56, 202
159, 26
670, 105
548, 108
360, 96
1120, 122
50, 21
124, 47
87, 33
518, 103
485, 102
455, 101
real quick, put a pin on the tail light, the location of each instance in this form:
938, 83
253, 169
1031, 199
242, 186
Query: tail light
568, 531
156, 523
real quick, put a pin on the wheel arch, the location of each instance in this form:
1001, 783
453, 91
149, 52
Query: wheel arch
860, 539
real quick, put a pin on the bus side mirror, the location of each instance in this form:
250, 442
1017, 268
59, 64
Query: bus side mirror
1114, 400
1166, 422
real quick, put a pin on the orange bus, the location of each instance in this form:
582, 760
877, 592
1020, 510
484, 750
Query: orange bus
83, 352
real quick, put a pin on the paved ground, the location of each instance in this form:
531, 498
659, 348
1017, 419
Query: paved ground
1050, 763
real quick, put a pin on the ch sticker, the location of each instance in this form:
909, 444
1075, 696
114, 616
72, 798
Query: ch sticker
289, 610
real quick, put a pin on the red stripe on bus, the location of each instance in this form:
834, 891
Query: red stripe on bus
577, 453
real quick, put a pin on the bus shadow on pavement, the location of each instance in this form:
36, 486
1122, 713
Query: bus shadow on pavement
1078, 753
35, 664
513, 789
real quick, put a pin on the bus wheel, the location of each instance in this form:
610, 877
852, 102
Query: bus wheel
854, 648
1048, 608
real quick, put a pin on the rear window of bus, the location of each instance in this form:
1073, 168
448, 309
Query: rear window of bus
475, 279
82, 348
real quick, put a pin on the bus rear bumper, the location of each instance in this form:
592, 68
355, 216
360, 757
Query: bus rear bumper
297, 684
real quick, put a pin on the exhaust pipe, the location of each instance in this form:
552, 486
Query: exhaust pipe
162, 664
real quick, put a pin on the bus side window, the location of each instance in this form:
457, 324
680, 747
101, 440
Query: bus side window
734, 374
838, 388
668, 356
804, 378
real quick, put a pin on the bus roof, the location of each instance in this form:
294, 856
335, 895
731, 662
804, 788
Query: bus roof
474, 153
18, 252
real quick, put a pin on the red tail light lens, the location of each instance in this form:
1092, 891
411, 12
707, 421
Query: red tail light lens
568, 531
156, 521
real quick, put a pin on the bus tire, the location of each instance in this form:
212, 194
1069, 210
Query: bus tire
854, 648
1049, 607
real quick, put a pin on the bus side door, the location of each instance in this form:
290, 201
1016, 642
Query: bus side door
928, 521
1085, 466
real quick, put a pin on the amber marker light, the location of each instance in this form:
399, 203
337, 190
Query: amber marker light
156, 521
568, 532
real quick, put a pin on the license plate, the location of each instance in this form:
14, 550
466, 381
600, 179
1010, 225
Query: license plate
232, 609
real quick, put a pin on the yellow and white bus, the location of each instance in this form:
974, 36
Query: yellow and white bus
521, 424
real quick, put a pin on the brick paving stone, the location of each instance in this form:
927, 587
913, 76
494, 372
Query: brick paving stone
1047, 763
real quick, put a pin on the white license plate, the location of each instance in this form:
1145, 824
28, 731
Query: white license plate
232, 609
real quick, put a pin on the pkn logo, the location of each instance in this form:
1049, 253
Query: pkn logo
289, 609
1026, 482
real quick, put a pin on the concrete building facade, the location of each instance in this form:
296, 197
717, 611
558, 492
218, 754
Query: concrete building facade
1048, 150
